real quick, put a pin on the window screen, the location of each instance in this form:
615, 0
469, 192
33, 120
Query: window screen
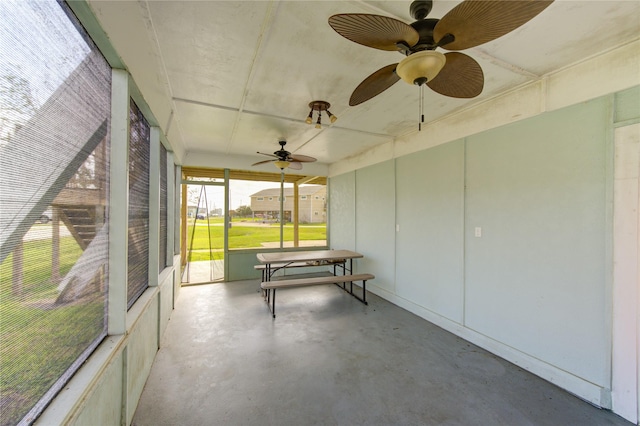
163, 207
55, 90
258, 202
139, 160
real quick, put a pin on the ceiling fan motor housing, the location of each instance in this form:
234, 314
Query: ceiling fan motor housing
282, 154
425, 31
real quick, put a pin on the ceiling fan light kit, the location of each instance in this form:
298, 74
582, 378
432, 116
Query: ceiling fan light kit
281, 164
421, 67
454, 74
320, 106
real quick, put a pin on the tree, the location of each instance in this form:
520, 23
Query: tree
17, 105
85, 176
244, 211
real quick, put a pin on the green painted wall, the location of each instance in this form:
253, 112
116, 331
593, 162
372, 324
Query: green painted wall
627, 105
375, 222
104, 405
430, 215
342, 208
536, 279
240, 266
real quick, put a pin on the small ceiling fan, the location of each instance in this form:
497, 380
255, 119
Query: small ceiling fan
283, 158
454, 74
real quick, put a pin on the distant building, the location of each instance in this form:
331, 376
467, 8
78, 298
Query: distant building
193, 209
312, 205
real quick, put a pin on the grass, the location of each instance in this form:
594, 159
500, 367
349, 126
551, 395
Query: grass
40, 340
38, 346
37, 267
243, 235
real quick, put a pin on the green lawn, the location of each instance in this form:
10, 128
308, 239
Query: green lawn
37, 267
40, 340
243, 235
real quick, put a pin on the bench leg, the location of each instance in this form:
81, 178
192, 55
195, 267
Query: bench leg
363, 299
273, 309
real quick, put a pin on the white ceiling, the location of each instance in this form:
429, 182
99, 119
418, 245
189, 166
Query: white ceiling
232, 77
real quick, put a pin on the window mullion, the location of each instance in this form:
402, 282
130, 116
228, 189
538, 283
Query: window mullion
154, 206
171, 212
118, 203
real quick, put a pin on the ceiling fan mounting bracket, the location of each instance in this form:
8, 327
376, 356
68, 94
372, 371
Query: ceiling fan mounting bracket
319, 105
419, 9
403, 48
446, 39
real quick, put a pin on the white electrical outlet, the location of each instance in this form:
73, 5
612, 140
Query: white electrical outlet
478, 231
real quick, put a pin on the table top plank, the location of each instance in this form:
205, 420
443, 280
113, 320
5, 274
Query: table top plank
306, 256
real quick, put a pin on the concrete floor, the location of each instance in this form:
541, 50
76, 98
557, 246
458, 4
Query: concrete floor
327, 359
203, 272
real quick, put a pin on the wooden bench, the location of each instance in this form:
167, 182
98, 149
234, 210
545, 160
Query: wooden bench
277, 266
286, 282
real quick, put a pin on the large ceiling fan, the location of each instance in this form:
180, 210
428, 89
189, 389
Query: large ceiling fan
454, 74
283, 158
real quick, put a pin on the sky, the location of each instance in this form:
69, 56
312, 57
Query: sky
46, 69
24, 29
240, 193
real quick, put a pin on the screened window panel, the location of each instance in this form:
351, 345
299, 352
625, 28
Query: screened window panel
55, 100
255, 201
138, 227
163, 208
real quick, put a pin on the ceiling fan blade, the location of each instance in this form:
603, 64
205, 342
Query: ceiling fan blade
379, 32
474, 22
270, 155
375, 84
262, 162
461, 77
301, 158
295, 165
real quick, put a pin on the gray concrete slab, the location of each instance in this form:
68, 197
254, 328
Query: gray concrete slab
203, 272
327, 359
